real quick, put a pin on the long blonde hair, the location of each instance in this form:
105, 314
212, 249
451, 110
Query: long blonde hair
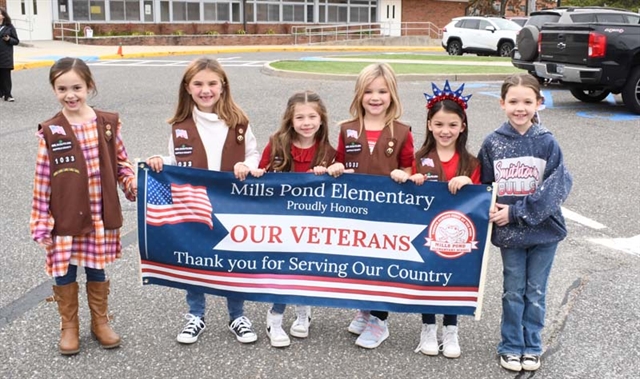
226, 109
368, 75
284, 137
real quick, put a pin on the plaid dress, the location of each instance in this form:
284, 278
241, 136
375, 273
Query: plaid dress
95, 249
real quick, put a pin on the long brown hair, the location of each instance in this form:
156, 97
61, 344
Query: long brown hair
368, 75
284, 137
7, 19
77, 65
226, 109
467, 162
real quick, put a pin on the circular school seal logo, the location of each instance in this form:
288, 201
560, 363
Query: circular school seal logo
451, 235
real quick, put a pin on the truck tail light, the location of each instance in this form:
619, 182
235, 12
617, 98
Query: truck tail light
597, 45
539, 43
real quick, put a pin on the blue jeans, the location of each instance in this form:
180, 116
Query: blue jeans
197, 304
93, 275
526, 271
278, 308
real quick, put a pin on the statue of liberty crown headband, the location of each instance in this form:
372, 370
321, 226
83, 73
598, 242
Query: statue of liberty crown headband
446, 93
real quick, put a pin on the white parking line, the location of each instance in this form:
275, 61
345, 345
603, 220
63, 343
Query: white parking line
573, 216
629, 245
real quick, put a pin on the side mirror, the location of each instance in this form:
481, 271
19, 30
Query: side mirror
490, 28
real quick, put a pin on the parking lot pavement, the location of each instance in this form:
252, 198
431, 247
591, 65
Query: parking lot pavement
593, 303
43, 53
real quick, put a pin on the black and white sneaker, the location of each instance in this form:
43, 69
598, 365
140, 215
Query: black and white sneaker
511, 362
530, 362
192, 330
241, 327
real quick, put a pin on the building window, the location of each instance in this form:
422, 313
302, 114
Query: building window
186, 11
124, 10
92, 10
217, 11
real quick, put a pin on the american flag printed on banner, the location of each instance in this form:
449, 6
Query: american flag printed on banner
170, 203
55, 129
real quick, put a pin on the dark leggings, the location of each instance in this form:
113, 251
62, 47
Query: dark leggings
380, 314
93, 275
429, 318
5, 83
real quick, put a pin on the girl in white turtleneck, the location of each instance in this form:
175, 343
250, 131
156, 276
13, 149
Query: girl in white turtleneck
207, 122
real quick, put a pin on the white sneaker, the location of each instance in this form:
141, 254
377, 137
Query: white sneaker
450, 346
300, 327
428, 340
374, 333
276, 334
359, 322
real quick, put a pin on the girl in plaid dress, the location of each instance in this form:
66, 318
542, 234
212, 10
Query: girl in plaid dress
76, 215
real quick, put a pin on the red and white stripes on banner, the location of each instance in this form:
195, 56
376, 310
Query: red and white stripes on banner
316, 286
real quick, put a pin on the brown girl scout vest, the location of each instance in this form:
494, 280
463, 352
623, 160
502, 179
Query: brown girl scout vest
328, 159
189, 149
431, 166
384, 157
69, 204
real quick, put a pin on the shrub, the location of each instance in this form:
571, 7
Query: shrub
240, 31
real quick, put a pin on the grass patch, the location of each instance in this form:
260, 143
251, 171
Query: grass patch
400, 68
427, 57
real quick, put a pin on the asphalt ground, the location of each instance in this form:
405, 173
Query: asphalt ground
593, 302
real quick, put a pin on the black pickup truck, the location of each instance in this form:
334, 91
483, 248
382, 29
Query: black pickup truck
593, 59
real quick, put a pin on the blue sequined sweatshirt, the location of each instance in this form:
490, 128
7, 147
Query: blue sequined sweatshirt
531, 177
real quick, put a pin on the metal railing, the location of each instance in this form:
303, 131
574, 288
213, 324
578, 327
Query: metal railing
63, 26
311, 34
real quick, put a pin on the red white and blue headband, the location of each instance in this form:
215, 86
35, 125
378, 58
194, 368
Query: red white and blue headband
446, 94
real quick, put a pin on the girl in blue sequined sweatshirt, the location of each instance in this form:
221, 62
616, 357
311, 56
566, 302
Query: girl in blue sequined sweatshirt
525, 161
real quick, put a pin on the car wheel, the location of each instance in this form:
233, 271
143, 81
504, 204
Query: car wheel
589, 95
631, 91
527, 42
454, 48
504, 50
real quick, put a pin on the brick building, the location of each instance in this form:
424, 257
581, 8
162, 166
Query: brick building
34, 18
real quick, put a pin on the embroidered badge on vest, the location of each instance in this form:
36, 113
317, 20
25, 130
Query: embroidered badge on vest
56, 129
430, 177
108, 134
181, 133
389, 150
352, 133
353, 147
427, 162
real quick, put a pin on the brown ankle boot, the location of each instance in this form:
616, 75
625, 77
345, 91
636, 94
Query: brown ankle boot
67, 298
97, 293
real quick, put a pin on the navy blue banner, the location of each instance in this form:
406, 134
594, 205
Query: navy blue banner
357, 241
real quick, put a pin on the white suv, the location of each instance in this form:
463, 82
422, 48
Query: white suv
480, 35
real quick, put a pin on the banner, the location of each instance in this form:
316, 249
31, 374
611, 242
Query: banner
357, 241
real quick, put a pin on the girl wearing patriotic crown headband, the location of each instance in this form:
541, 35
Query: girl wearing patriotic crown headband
444, 157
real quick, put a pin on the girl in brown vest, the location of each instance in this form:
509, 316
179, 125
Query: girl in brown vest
301, 144
76, 214
210, 131
444, 157
374, 142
